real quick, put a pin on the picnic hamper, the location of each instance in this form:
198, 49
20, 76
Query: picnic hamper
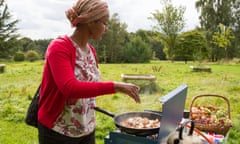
211, 118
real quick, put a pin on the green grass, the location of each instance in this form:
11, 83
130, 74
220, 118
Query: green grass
20, 80
17, 133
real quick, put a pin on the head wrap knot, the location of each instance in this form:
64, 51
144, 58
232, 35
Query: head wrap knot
85, 11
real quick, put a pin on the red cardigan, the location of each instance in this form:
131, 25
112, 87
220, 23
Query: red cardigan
59, 82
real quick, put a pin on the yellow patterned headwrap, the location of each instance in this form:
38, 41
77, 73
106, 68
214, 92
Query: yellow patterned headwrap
85, 11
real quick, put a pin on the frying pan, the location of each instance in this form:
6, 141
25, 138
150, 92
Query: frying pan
134, 131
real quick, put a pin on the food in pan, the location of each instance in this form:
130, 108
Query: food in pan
140, 123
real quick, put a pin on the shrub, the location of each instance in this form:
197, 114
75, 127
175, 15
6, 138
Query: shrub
32, 56
137, 51
19, 56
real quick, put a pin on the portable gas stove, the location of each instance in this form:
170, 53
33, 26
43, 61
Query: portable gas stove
172, 113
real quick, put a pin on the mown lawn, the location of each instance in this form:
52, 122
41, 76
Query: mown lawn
20, 80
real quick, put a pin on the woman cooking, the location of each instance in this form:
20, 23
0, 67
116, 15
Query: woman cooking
71, 79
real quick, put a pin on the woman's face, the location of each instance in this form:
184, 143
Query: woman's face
98, 28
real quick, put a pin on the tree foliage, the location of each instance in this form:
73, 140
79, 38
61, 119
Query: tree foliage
32, 55
110, 48
192, 45
235, 51
117, 45
25, 44
137, 51
8, 31
215, 12
19, 56
170, 22
165, 41
222, 38
10, 44
155, 45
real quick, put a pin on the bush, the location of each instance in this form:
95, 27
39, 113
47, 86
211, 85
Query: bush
32, 56
137, 51
19, 56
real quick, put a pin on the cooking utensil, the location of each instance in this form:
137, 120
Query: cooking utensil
176, 137
135, 131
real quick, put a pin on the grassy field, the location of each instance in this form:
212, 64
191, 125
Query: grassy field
20, 80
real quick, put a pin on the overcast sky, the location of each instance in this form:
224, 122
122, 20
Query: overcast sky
40, 19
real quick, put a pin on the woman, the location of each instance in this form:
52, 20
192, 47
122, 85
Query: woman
71, 79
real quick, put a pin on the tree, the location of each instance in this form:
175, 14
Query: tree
110, 48
23, 44
32, 55
169, 23
214, 12
236, 43
155, 45
192, 45
137, 50
41, 46
222, 38
8, 31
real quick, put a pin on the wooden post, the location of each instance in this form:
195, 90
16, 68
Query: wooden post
2, 67
200, 68
140, 80
126, 77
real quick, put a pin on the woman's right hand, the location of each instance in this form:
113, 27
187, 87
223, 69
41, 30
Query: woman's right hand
129, 89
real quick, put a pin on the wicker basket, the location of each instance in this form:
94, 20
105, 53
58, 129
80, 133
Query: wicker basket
205, 117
